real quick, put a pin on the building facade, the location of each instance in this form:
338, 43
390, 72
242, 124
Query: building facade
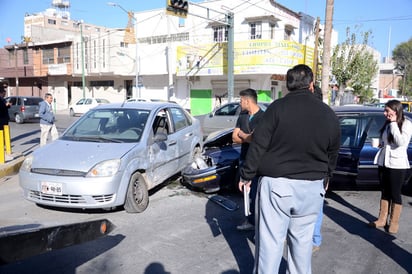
184, 60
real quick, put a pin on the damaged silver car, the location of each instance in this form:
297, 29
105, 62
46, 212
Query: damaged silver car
112, 156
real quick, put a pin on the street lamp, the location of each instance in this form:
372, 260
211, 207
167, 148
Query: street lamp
137, 52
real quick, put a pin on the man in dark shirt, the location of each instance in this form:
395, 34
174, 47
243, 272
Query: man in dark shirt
294, 148
248, 120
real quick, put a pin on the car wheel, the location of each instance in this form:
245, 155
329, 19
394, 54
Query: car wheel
137, 196
72, 112
18, 118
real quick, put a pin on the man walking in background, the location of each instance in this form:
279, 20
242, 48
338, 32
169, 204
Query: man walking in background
47, 120
294, 148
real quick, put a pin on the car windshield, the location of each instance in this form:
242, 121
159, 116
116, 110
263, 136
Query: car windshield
109, 125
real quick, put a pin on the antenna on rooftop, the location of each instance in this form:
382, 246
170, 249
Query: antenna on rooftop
61, 4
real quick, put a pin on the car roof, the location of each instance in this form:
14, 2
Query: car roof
363, 109
138, 105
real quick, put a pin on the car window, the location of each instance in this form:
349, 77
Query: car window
32, 101
102, 101
227, 110
375, 126
109, 125
161, 123
348, 126
80, 102
179, 119
88, 102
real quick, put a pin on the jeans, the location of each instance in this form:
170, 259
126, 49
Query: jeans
317, 235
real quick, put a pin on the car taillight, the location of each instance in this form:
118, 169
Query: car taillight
22, 109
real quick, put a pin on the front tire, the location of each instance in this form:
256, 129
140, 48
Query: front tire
137, 196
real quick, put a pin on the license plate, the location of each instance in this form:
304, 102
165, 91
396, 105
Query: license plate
36, 115
51, 188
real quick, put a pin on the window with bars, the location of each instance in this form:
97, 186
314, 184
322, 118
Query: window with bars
220, 34
255, 30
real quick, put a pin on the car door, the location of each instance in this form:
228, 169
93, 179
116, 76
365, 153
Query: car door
348, 158
163, 153
184, 134
224, 117
367, 170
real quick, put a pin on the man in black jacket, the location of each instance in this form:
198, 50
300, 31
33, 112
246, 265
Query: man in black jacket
294, 148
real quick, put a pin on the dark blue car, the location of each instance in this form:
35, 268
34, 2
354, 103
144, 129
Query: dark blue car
218, 167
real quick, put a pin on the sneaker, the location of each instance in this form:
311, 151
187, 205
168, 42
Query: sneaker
246, 226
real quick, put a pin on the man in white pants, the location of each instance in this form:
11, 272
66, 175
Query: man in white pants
294, 148
47, 120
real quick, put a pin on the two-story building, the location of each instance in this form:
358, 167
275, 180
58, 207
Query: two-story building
184, 60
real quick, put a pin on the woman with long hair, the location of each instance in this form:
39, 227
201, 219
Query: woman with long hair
393, 163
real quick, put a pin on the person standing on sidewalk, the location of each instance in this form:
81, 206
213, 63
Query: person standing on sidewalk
248, 119
4, 108
293, 149
47, 120
393, 163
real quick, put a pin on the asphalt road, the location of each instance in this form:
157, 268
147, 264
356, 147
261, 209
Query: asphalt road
184, 232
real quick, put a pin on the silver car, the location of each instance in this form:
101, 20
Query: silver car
112, 156
223, 117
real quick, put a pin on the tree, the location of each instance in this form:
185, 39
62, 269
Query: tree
354, 66
402, 55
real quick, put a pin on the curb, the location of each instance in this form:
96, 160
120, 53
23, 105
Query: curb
12, 167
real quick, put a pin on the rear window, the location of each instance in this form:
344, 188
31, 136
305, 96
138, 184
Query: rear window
32, 101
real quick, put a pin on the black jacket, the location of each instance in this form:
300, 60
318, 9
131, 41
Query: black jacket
298, 138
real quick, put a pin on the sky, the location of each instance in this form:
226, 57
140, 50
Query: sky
389, 21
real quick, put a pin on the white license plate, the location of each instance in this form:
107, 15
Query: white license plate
51, 188
36, 115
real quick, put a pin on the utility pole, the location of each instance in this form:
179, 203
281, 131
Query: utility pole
230, 56
15, 69
315, 52
327, 49
82, 50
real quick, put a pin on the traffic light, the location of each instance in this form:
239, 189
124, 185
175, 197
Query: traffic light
178, 8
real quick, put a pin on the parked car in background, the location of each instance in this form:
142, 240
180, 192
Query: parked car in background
85, 104
112, 156
407, 105
223, 117
24, 108
218, 166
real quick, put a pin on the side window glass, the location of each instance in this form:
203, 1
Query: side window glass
179, 119
375, 127
348, 126
88, 102
80, 102
160, 123
227, 110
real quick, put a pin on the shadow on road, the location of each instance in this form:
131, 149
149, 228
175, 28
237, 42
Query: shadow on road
69, 259
379, 238
223, 223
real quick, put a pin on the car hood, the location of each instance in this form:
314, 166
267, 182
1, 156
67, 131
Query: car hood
219, 138
80, 156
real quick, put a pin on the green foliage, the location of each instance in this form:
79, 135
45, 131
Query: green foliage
402, 55
354, 66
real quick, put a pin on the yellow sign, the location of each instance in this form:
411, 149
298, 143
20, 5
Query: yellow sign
252, 56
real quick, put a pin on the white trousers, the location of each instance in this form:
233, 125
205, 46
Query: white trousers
44, 132
288, 210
